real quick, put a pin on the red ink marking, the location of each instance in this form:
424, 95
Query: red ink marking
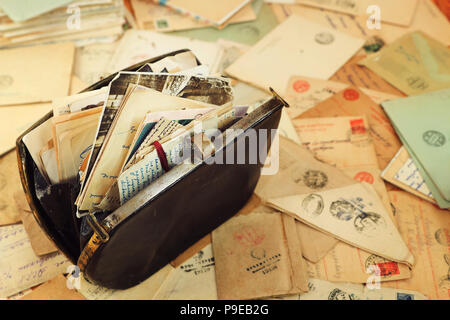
364, 176
357, 126
388, 268
249, 236
301, 86
351, 95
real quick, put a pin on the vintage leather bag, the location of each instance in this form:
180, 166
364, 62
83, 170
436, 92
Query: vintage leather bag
122, 248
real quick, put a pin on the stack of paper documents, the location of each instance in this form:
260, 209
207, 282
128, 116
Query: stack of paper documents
25, 24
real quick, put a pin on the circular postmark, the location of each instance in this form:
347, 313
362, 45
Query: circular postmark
364, 176
313, 204
380, 265
5, 81
442, 237
324, 38
343, 210
351, 95
338, 294
369, 223
258, 253
315, 179
301, 86
249, 236
434, 138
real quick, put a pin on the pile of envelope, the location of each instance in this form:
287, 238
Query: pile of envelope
25, 23
358, 207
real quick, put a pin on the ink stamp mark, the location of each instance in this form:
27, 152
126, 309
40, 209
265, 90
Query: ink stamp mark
315, 179
369, 223
364, 176
387, 268
404, 296
324, 38
313, 204
301, 86
442, 236
249, 236
266, 264
434, 138
200, 264
343, 210
357, 126
351, 95
338, 294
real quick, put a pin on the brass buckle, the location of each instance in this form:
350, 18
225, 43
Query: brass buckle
279, 98
97, 228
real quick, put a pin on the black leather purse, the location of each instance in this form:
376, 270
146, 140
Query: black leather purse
122, 248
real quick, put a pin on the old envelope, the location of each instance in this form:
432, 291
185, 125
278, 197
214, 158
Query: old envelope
304, 93
422, 124
325, 290
151, 16
403, 173
40, 242
426, 230
389, 9
260, 254
415, 64
195, 279
9, 184
217, 13
352, 102
364, 78
291, 49
345, 143
353, 214
20, 268
300, 173
138, 45
21, 78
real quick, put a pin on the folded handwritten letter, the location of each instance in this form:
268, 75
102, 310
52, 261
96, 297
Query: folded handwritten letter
20, 268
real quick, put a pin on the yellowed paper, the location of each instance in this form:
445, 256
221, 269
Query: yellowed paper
146, 290
150, 16
292, 48
252, 253
304, 93
352, 214
195, 279
415, 64
426, 230
325, 290
352, 102
411, 181
21, 77
20, 268
9, 184
40, 242
112, 156
389, 10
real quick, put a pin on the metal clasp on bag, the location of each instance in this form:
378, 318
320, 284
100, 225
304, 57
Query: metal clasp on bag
279, 98
97, 228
